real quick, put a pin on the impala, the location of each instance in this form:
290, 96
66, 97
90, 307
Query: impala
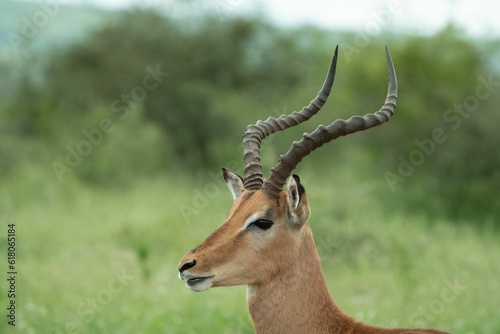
266, 242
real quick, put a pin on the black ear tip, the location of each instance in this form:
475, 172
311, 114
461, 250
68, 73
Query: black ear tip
301, 188
227, 174
224, 172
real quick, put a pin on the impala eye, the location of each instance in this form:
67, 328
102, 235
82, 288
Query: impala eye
263, 224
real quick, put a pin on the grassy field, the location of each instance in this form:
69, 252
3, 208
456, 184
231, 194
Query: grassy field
100, 260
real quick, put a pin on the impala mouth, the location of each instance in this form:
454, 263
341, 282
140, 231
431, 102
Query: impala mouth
195, 282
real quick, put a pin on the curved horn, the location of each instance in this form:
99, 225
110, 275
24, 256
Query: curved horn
257, 132
324, 134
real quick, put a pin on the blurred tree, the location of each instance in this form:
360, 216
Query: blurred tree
443, 144
202, 82
194, 68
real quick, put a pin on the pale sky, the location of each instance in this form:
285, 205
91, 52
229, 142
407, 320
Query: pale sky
477, 17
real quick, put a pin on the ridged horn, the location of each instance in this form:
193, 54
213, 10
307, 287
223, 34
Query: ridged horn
273, 185
255, 133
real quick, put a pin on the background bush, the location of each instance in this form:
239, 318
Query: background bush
226, 74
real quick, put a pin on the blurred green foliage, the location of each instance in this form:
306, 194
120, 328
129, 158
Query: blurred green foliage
217, 76
87, 126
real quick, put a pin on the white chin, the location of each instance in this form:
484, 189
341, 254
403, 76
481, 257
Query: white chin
200, 286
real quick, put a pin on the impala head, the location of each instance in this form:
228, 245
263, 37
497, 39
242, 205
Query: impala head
265, 226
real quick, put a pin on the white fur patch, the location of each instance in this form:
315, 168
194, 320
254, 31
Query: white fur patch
251, 219
234, 183
201, 286
293, 193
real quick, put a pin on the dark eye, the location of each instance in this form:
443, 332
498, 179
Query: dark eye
263, 224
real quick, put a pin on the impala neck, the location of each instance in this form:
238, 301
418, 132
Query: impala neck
297, 300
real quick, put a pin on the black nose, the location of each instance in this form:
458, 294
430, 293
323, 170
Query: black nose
187, 265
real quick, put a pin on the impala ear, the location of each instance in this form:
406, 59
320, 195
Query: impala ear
297, 202
293, 191
234, 182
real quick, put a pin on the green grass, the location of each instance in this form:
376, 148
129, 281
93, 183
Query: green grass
387, 269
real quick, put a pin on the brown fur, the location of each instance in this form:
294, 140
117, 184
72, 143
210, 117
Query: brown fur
286, 289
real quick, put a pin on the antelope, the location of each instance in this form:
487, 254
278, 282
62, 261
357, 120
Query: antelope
266, 242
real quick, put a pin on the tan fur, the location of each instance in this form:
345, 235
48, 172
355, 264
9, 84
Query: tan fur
286, 289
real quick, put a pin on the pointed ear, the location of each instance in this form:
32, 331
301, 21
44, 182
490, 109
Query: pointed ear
297, 202
293, 191
234, 182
